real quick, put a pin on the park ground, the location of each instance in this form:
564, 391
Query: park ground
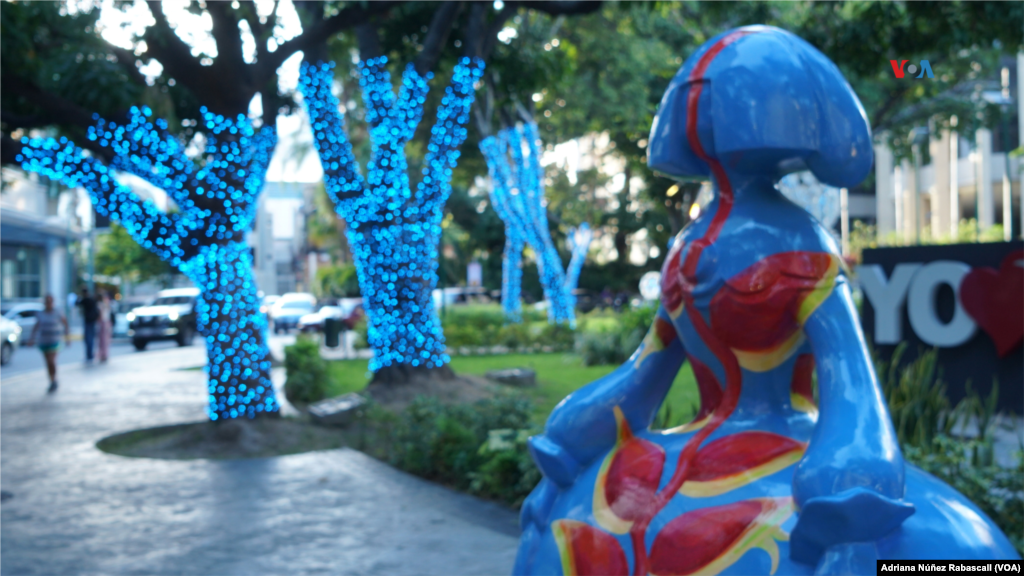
70, 508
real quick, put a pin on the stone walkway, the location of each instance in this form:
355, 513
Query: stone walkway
77, 510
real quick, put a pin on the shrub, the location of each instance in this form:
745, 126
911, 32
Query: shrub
459, 444
338, 281
507, 473
474, 326
616, 341
925, 423
361, 342
308, 378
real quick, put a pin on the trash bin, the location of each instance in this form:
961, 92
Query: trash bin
332, 331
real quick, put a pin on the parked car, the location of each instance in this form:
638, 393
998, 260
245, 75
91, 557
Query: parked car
268, 301
10, 335
24, 315
314, 322
348, 309
122, 308
171, 316
286, 311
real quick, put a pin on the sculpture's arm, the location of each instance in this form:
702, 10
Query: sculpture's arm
582, 427
849, 484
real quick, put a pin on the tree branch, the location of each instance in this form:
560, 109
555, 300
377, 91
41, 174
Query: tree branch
566, 7
228, 38
18, 121
164, 45
491, 38
127, 60
57, 109
369, 41
437, 36
476, 29
320, 32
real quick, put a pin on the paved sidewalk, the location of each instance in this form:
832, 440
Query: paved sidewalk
77, 510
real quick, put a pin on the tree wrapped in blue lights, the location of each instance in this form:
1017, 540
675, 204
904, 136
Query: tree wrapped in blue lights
517, 194
394, 231
579, 246
204, 239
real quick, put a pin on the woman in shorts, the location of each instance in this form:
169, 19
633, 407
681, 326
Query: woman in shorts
50, 326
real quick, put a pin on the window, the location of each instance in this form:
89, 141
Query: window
21, 272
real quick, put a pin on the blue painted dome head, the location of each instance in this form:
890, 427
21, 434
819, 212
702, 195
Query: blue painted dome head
760, 100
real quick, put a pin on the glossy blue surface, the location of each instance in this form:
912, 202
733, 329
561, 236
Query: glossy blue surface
754, 296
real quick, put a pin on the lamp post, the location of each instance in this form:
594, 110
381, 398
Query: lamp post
919, 136
1007, 191
954, 179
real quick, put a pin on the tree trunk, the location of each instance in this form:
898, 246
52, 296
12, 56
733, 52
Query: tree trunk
229, 319
397, 268
512, 280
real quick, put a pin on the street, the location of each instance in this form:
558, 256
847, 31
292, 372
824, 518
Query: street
29, 358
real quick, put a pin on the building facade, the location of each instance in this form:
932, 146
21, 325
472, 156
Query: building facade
40, 224
969, 176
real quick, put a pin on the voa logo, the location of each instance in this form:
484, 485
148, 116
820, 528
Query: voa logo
898, 68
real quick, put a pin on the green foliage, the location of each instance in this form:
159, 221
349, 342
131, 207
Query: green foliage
926, 427
478, 447
339, 281
612, 343
866, 236
468, 328
308, 378
324, 229
361, 341
916, 397
507, 473
118, 255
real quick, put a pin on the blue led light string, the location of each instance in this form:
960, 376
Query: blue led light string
495, 153
204, 239
513, 159
579, 244
393, 233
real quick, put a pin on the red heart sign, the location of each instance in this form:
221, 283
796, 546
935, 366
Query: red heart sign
995, 299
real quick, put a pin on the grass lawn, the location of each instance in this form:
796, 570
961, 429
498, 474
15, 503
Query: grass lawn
558, 374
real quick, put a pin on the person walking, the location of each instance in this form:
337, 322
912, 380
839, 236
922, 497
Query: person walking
46, 333
104, 327
90, 314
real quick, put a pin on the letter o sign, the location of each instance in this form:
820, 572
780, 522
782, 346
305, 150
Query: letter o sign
921, 305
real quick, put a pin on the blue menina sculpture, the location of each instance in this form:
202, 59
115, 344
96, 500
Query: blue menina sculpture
765, 479
517, 195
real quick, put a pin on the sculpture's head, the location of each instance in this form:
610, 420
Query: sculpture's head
760, 100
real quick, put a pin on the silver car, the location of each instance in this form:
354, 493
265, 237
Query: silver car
24, 315
10, 335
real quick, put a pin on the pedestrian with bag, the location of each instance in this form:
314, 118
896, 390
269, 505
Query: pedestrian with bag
104, 327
